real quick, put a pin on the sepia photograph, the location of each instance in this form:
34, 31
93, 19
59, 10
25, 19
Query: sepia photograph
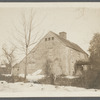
50, 49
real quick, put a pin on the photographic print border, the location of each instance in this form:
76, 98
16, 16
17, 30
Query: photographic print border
50, 98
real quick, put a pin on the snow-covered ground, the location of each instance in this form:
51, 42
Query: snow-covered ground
33, 77
20, 89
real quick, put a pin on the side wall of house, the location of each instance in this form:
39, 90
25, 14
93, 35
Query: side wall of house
72, 57
49, 48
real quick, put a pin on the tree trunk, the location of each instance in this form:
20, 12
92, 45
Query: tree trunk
26, 65
52, 79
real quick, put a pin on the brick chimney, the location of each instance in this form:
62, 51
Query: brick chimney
63, 35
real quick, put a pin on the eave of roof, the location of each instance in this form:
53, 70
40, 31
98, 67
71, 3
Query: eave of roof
70, 44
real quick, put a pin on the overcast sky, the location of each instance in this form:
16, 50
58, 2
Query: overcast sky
79, 22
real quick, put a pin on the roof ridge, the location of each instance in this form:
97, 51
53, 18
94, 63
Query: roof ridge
71, 44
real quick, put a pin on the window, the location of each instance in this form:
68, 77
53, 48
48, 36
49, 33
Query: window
49, 38
45, 39
52, 38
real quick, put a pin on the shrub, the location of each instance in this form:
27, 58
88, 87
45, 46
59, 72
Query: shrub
92, 78
11, 78
63, 81
89, 79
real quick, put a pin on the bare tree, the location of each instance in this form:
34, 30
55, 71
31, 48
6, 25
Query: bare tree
8, 55
28, 37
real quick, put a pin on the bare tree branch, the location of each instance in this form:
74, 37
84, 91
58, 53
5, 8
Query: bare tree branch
28, 25
9, 54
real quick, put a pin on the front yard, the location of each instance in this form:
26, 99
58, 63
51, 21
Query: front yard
20, 89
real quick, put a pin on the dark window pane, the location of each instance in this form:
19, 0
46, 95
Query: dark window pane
45, 39
48, 38
52, 38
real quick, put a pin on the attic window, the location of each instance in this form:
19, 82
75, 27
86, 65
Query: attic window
49, 38
52, 38
45, 39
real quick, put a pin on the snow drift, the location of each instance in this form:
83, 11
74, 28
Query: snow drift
33, 77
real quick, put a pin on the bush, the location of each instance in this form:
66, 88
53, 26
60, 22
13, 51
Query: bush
92, 78
11, 78
18, 79
63, 81
45, 80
